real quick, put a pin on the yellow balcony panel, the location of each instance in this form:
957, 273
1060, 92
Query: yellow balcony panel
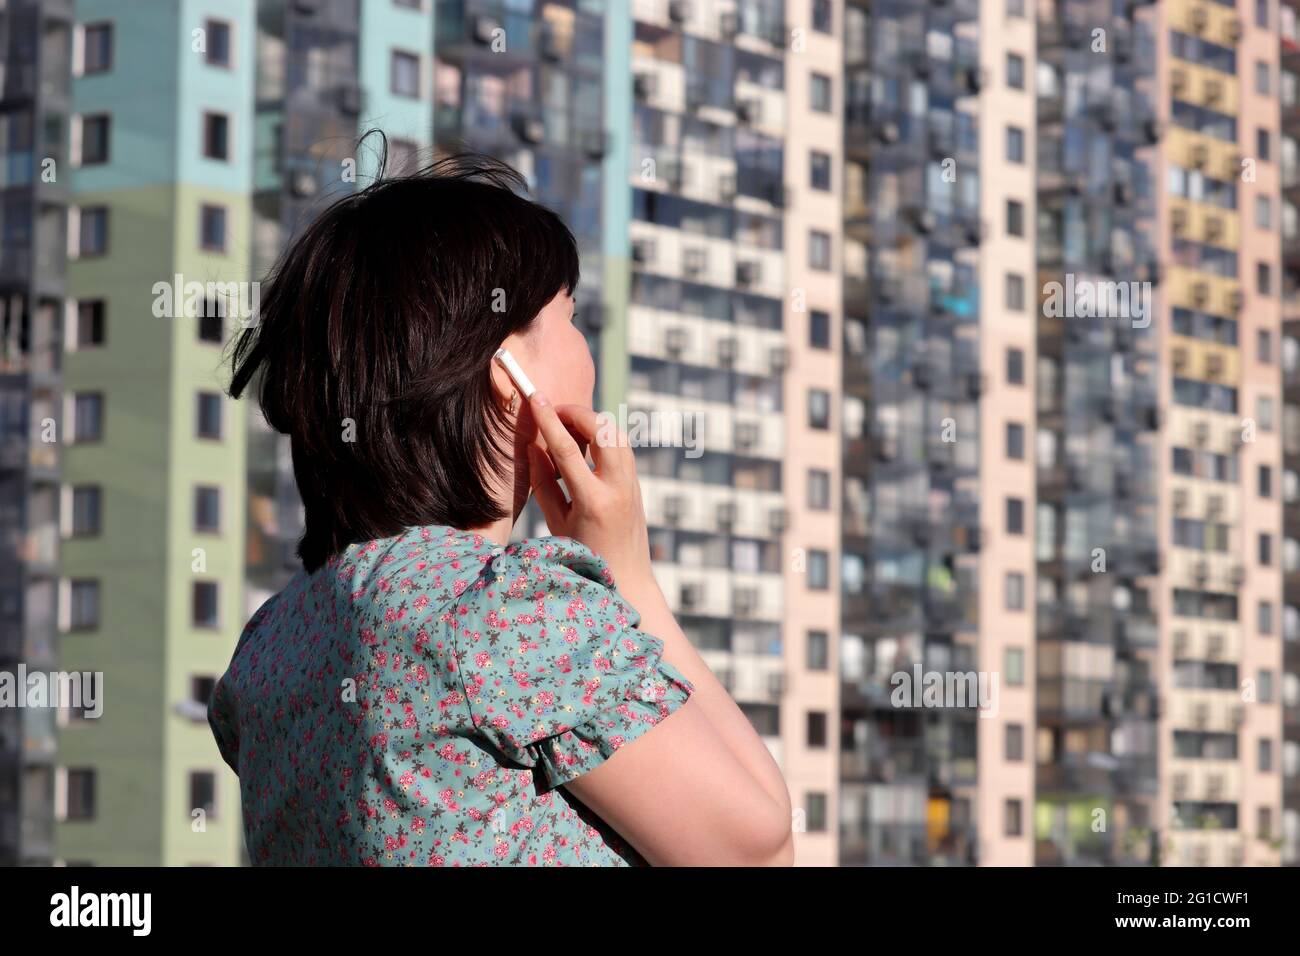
1209, 21
1210, 361
1213, 157
1203, 292
1202, 222
1193, 83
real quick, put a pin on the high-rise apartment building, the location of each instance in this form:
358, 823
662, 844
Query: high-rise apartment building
35, 47
832, 253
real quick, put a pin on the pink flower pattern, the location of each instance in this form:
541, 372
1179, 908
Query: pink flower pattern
421, 700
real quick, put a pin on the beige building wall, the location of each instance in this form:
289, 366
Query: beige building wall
1004, 784
812, 771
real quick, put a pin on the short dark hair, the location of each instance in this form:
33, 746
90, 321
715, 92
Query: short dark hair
387, 310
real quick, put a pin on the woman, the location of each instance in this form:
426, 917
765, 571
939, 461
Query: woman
423, 692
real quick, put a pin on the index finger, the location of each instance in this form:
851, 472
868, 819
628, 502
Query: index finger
564, 451
609, 448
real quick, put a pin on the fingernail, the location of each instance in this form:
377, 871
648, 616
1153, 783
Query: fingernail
540, 400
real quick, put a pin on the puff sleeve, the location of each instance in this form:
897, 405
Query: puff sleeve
556, 676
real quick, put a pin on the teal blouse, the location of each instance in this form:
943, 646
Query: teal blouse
422, 699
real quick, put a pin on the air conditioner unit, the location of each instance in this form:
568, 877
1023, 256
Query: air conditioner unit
728, 24
748, 272
778, 521
1201, 433
694, 262
1181, 497
1181, 360
644, 85
728, 348
778, 358
692, 596
1214, 646
1214, 506
679, 11
726, 514
1178, 221
349, 99
1201, 293
1200, 19
675, 340
674, 506
1200, 155
1213, 90
744, 601
484, 29
1181, 785
643, 250
745, 435
1200, 715
530, 129
1214, 365
1213, 228
1236, 300
749, 111
1182, 641
1178, 82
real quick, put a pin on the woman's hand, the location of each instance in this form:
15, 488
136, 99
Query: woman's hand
605, 511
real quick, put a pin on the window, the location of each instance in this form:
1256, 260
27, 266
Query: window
823, 16
208, 421
816, 729
1015, 367
815, 822
95, 133
87, 416
210, 325
819, 409
1015, 8
1015, 144
404, 77
819, 489
86, 504
1263, 212
819, 165
92, 231
1265, 482
1264, 345
821, 93
1015, 591
203, 605
1264, 617
1264, 278
1261, 13
1265, 755
1263, 145
97, 53
212, 228
1015, 71
90, 324
201, 689
1011, 818
203, 793
1262, 78
1264, 413
819, 570
1015, 441
818, 650
207, 508
1015, 217
83, 601
1265, 548
216, 136
1015, 516
79, 794
218, 43
1013, 666
819, 329
1014, 292
1264, 684
1264, 823
819, 250
1015, 742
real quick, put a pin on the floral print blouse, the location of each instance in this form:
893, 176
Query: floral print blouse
420, 701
